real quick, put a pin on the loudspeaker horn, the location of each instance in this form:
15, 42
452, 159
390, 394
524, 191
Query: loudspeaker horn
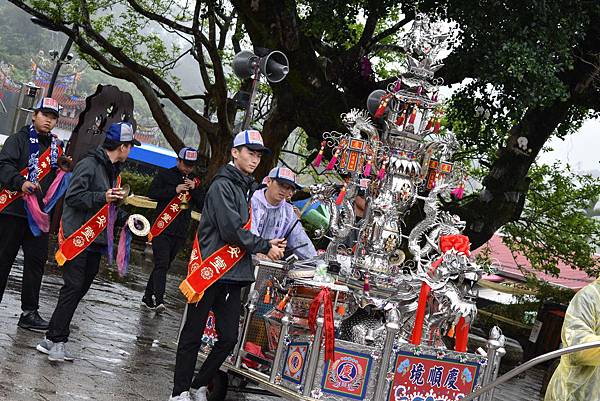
244, 64
274, 66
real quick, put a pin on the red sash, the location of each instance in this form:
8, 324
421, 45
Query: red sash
77, 242
167, 216
7, 197
203, 273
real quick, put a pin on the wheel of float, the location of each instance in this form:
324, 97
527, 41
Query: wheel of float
217, 390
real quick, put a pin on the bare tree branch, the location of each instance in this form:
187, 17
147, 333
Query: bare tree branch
161, 19
391, 30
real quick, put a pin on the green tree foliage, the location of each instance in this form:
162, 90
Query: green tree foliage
554, 226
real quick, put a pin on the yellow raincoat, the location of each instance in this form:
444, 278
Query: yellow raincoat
577, 377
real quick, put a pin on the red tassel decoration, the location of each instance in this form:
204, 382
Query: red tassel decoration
381, 173
382, 107
413, 115
419, 90
438, 125
429, 124
458, 192
284, 302
341, 195
319, 157
333, 160
462, 335
400, 119
434, 97
267, 299
367, 172
398, 86
366, 285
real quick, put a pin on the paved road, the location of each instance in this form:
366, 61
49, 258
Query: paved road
124, 352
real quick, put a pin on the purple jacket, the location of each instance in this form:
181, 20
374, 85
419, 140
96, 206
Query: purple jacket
270, 222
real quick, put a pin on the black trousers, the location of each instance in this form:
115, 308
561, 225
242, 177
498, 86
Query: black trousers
224, 301
164, 249
78, 275
14, 234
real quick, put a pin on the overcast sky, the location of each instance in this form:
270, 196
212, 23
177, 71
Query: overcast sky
581, 150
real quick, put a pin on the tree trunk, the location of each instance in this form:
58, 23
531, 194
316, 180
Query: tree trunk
220, 154
276, 130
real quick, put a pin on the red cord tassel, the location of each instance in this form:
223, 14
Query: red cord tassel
382, 107
458, 192
438, 125
366, 285
462, 335
367, 172
413, 115
341, 195
267, 298
319, 157
429, 124
281, 306
417, 333
381, 173
400, 119
333, 160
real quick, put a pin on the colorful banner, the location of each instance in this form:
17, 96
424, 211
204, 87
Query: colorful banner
203, 273
166, 217
295, 360
210, 331
428, 378
348, 375
44, 166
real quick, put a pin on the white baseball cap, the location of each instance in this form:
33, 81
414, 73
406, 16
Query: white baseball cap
251, 139
284, 174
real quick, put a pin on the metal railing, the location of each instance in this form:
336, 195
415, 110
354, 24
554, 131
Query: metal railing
533, 362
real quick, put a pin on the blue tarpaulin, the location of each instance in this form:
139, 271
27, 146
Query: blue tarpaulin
154, 155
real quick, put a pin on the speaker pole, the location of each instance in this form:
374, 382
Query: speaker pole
250, 108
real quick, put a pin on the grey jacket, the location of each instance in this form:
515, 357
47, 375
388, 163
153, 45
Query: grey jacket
225, 212
92, 176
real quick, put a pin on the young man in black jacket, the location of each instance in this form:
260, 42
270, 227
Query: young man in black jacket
223, 229
172, 188
25, 150
84, 233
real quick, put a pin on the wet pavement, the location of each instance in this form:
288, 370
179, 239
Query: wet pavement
123, 352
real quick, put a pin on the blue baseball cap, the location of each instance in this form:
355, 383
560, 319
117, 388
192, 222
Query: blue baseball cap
251, 139
188, 155
48, 105
121, 132
285, 175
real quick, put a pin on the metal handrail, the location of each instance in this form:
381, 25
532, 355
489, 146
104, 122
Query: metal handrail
535, 361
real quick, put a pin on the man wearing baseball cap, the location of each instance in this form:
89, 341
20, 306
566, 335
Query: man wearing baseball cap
274, 217
28, 165
175, 190
84, 236
222, 268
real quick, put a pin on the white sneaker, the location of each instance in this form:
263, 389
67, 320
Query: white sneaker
200, 394
45, 346
185, 396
